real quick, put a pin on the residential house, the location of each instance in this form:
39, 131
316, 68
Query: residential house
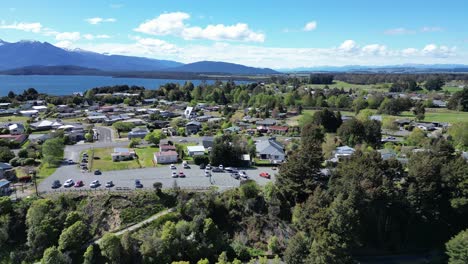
207, 142
188, 112
40, 108
165, 157
45, 125
192, 127
135, 121
167, 147
387, 154
232, 129
138, 132
16, 129
425, 126
29, 113
20, 139
39, 138
149, 101
439, 103
121, 154
7, 171
5, 105
270, 150
342, 153
159, 123
278, 129
266, 122
96, 118
5, 189
195, 150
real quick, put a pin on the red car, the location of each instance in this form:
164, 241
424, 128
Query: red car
181, 174
265, 175
79, 184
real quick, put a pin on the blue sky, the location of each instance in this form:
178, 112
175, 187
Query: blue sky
276, 34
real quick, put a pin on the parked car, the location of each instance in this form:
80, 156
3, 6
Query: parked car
174, 174
230, 169
265, 175
95, 184
207, 174
243, 174
186, 166
182, 140
68, 183
235, 175
109, 184
221, 167
208, 167
70, 162
56, 184
79, 184
202, 166
85, 155
138, 184
217, 169
181, 174
97, 172
173, 167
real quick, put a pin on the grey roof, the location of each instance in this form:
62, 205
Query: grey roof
267, 121
5, 166
193, 123
270, 146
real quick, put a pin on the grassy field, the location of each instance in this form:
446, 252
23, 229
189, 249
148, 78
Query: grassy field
451, 89
145, 156
13, 118
346, 86
105, 163
432, 115
44, 171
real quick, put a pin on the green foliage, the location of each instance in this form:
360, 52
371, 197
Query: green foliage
457, 248
459, 101
297, 250
274, 245
434, 83
73, 237
6, 154
353, 132
89, 257
417, 137
225, 151
111, 248
419, 111
249, 190
155, 136
201, 159
459, 135
52, 151
53, 255
134, 142
328, 119
392, 106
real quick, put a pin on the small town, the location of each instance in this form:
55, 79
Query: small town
233, 132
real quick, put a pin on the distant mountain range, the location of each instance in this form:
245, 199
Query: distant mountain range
29, 56
401, 68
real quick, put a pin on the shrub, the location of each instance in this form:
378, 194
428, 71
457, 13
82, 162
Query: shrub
201, 160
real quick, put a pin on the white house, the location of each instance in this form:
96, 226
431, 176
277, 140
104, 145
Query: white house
341, 153
195, 150
29, 113
16, 129
165, 157
120, 154
40, 108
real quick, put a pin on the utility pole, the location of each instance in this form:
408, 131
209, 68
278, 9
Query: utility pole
33, 172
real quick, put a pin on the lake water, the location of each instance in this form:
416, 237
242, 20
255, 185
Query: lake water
67, 84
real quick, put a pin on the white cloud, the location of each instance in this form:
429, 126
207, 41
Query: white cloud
399, 31
65, 44
312, 25
28, 27
438, 51
98, 20
409, 52
431, 29
174, 24
73, 36
92, 37
374, 49
349, 46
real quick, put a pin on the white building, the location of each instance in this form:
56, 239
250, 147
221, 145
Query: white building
195, 150
165, 157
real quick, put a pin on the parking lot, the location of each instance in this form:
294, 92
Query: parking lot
195, 178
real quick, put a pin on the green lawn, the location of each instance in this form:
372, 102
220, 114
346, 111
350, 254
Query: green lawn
13, 118
347, 86
145, 156
44, 171
105, 163
451, 89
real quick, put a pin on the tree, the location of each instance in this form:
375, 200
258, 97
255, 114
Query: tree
459, 135
273, 245
111, 248
459, 100
434, 83
419, 111
122, 127
297, 177
89, 137
53, 255
134, 142
155, 136
52, 151
157, 186
352, 132
417, 137
296, 252
73, 237
225, 152
457, 248
6, 154
89, 257
43, 225
328, 119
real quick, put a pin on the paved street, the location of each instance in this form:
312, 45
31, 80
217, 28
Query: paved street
195, 178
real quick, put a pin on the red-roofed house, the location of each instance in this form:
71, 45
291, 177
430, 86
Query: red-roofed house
18, 138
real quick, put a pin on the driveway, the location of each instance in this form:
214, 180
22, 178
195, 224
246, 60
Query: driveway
72, 152
195, 178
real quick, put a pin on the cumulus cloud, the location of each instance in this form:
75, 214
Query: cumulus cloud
438, 51
72, 36
99, 20
374, 49
23, 26
349, 46
174, 24
65, 44
312, 25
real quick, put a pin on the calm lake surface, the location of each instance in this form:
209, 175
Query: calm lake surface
68, 84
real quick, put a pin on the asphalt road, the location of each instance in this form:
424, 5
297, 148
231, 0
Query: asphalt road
195, 178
